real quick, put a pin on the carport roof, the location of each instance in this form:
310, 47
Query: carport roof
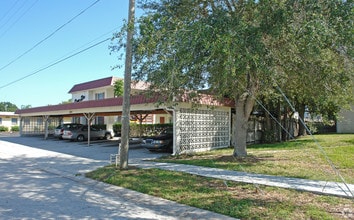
95, 105
112, 106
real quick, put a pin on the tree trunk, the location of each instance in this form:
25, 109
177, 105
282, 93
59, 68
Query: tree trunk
279, 129
124, 146
301, 110
243, 105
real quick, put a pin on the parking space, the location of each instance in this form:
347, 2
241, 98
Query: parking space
97, 150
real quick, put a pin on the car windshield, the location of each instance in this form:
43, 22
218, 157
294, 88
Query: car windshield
85, 128
71, 126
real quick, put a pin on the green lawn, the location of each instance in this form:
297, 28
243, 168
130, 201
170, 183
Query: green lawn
302, 158
246, 201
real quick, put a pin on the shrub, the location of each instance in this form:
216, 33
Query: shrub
145, 129
269, 136
15, 128
3, 128
321, 127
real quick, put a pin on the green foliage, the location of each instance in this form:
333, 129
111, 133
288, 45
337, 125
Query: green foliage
269, 136
7, 107
3, 128
66, 102
118, 88
247, 49
146, 129
26, 106
196, 44
15, 128
314, 55
117, 127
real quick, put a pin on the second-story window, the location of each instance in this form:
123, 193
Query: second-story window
99, 96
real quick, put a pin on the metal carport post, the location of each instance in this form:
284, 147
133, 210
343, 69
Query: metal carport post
46, 118
89, 117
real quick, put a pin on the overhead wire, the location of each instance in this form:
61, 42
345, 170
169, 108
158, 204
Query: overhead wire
90, 42
54, 63
18, 19
49, 36
329, 161
8, 11
66, 56
308, 130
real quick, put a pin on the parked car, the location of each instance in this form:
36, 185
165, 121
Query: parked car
161, 142
58, 131
81, 133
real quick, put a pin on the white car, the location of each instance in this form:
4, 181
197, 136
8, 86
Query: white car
58, 131
81, 133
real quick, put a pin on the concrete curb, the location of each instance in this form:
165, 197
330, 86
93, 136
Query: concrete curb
165, 207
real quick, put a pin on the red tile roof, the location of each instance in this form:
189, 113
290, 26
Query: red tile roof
134, 100
109, 81
112, 102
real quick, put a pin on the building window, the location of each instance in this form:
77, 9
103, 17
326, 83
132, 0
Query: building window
0, 121
14, 121
99, 96
76, 120
99, 120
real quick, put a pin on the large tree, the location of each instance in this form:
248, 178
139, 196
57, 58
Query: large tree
218, 45
7, 107
225, 46
313, 56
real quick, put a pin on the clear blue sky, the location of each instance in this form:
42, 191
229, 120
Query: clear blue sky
24, 23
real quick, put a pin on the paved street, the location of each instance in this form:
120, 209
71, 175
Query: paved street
43, 179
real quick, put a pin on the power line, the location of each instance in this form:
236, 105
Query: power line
18, 19
90, 42
49, 36
55, 63
4, 16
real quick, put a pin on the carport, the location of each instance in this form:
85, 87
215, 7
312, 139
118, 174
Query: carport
205, 127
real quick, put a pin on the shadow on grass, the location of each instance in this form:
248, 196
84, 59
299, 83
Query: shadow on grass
349, 141
293, 144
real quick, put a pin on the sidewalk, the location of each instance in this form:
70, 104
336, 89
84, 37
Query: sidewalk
318, 187
49, 183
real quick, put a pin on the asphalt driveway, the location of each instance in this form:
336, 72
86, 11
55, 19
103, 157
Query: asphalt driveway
43, 179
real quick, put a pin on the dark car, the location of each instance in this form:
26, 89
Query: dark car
161, 142
81, 133
58, 131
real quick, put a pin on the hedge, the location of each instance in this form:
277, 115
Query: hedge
143, 129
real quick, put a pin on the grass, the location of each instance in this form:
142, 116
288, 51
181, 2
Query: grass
237, 200
302, 158
247, 201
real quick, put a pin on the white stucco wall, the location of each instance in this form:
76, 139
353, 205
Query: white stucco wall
6, 119
345, 123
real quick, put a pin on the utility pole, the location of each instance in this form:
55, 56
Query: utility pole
124, 145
